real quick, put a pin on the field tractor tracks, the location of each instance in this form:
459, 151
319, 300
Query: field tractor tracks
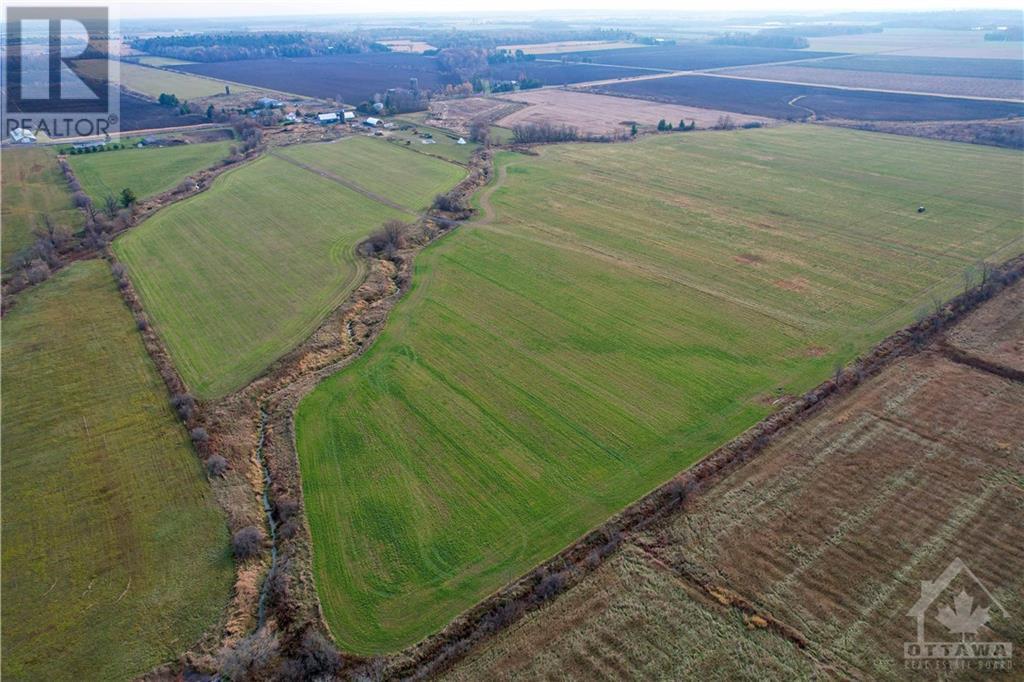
793, 103
344, 182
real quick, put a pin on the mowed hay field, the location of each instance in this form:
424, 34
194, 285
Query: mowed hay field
152, 82
115, 558
830, 530
146, 171
411, 180
629, 308
33, 188
236, 276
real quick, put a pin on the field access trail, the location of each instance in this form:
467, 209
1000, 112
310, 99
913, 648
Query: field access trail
601, 327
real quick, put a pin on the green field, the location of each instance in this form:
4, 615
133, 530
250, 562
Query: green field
237, 275
33, 187
115, 558
146, 171
629, 308
446, 142
152, 60
152, 82
411, 180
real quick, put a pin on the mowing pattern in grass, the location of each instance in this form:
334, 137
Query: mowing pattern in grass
146, 171
33, 187
631, 307
152, 82
114, 556
412, 180
237, 275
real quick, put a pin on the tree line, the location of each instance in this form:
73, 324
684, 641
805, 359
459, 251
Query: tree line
219, 47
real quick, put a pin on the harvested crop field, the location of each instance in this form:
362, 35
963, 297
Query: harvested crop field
146, 171
944, 85
995, 333
115, 557
999, 69
559, 73
33, 188
355, 77
152, 60
634, 619
829, 532
921, 42
569, 46
602, 114
694, 57
151, 82
140, 114
620, 311
783, 100
137, 113
234, 277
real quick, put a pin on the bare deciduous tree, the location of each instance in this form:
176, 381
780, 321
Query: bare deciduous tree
247, 542
216, 465
110, 205
183, 404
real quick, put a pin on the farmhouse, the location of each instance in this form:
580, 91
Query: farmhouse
22, 136
372, 122
325, 119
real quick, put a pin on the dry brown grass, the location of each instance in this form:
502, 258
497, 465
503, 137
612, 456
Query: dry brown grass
570, 46
602, 114
995, 332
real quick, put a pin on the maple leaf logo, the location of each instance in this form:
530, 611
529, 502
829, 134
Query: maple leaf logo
963, 618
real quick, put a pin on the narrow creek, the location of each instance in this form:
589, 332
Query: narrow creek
271, 522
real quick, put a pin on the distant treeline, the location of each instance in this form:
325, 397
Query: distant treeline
544, 132
823, 30
221, 47
792, 37
762, 39
533, 36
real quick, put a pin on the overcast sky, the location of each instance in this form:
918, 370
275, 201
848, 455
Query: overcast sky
221, 8
153, 9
